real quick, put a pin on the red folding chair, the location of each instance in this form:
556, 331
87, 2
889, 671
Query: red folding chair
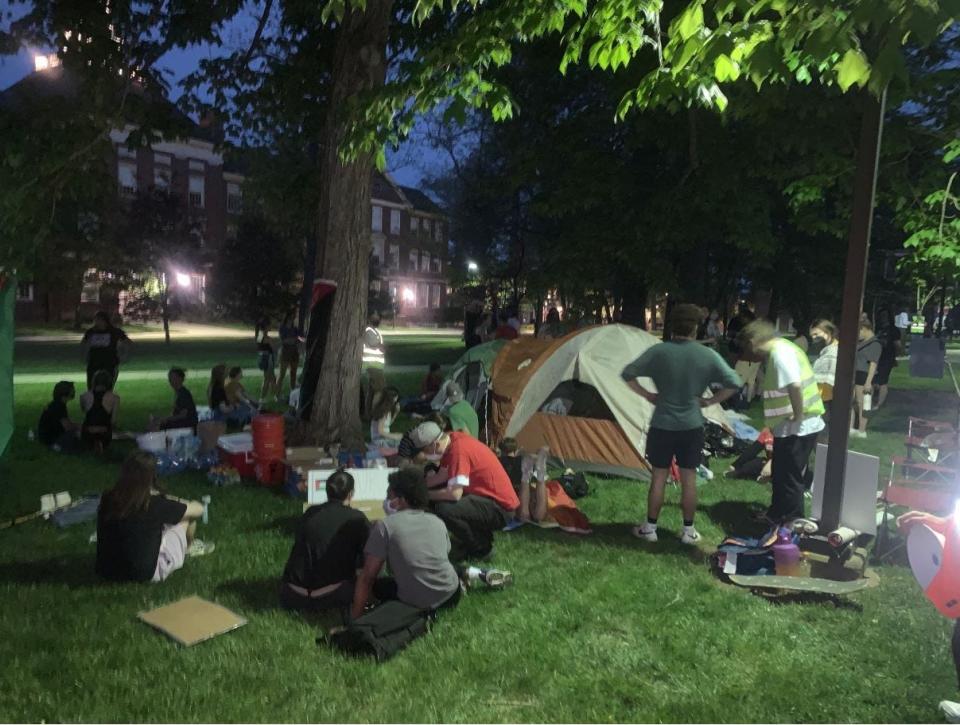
935, 495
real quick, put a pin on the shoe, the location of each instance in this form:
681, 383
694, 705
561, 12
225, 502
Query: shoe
950, 710
690, 536
497, 579
645, 531
856, 433
200, 548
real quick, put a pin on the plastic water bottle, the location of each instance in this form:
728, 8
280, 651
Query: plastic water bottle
205, 500
867, 402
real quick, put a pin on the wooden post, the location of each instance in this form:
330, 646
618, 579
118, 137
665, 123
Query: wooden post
858, 250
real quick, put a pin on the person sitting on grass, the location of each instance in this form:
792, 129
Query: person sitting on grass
415, 440
420, 404
143, 535
386, 408
55, 428
242, 408
220, 407
327, 551
184, 413
461, 414
414, 545
471, 493
749, 465
101, 407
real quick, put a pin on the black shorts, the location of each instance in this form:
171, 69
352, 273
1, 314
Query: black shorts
686, 445
860, 377
883, 374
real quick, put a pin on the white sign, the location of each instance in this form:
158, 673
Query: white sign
369, 484
858, 510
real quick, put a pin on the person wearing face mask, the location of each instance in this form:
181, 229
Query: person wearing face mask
824, 335
471, 492
327, 551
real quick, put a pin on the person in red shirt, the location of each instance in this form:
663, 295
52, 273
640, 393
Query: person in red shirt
471, 493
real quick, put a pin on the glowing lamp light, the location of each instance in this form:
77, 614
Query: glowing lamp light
472, 267
183, 279
409, 295
43, 62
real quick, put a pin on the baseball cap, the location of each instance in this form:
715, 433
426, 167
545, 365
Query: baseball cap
454, 393
425, 434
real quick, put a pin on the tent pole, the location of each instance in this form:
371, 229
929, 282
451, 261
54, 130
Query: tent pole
858, 251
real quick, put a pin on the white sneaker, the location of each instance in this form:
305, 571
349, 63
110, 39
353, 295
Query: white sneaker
646, 531
856, 433
950, 710
690, 536
200, 548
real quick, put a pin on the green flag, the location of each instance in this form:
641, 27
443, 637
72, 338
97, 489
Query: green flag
8, 290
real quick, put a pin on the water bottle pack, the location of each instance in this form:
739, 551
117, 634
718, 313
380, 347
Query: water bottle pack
223, 476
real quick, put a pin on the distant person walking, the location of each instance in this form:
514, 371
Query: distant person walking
682, 370
104, 347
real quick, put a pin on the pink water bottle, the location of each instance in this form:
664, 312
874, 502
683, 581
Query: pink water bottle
786, 554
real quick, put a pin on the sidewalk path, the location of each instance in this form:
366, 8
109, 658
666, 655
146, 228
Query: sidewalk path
193, 331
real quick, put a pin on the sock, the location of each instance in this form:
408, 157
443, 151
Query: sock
688, 523
475, 573
651, 522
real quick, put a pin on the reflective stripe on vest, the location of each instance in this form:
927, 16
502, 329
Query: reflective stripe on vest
373, 357
776, 401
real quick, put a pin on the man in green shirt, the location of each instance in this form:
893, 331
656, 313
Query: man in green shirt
681, 370
460, 413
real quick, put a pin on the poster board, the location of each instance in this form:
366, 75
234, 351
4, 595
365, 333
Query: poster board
858, 510
192, 620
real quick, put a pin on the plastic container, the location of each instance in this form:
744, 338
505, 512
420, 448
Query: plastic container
786, 555
236, 451
174, 433
867, 402
268, 437
152, 442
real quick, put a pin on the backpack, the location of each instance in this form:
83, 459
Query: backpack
383, 631
575, 484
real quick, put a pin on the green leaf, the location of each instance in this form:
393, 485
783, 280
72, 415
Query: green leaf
853, 69
726, 69
691, 21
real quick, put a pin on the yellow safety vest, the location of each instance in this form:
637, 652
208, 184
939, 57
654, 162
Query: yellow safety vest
776, 401
373, 353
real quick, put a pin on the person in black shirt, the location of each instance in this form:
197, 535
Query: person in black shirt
100, 407
55, 428
217, 392
184, 409
104, 347
143, 535
328, 550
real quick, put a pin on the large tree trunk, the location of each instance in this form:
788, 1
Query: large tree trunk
344, 227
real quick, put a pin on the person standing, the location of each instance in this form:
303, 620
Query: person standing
104, 347
290, 339
681, 370
869, 350
793, 411
267, 363
824, 333
372, 365
890, 341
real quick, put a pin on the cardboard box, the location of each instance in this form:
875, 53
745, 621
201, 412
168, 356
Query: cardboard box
192, 620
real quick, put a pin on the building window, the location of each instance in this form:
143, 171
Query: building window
196, 192
90, 292
423, 295
435, 265
414, 260
127, 177
438, 231
426, 226
393, 261
24, 292
375, 286
425, 262
377, 221
376, 254
161, 170
392, 289
394, 221
414, 223
234, 198
435, 296
197, 166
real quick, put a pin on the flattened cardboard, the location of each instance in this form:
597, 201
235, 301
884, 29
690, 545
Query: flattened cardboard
192, 620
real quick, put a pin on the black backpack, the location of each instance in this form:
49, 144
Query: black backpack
383, 631
575, 484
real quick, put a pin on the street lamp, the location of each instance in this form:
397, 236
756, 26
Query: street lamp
183, 279
472, 267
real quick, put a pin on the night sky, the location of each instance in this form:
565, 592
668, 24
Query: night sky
407, 166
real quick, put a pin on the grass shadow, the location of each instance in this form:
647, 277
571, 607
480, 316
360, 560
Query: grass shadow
735, 518
284, 524
811, 598
74, 572
257, 594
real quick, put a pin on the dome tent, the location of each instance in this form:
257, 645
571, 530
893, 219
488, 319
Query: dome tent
567, 394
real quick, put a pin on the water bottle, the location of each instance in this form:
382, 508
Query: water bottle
205, 500
786, 555
867, 402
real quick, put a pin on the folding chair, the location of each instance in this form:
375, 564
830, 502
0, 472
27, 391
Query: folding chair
936, 496
921, 433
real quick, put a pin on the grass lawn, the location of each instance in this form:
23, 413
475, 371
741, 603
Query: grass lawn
599, 628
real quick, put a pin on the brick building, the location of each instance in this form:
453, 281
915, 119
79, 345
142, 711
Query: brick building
409, 234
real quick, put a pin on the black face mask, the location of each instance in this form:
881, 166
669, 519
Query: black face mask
817, 344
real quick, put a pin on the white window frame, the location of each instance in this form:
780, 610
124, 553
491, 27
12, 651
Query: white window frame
438, 231
394, 221
437, 264
424, 261
194, 197
413, 260
414, 223
436, 293
377, 252
28, 297
131, 167
376, 221
393, 261
423, 300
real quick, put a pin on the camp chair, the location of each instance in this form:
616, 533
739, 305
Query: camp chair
920, 430
936, 495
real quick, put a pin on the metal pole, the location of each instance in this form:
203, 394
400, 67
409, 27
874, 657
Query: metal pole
858, 250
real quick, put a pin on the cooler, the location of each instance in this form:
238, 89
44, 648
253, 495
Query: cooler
236, 450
